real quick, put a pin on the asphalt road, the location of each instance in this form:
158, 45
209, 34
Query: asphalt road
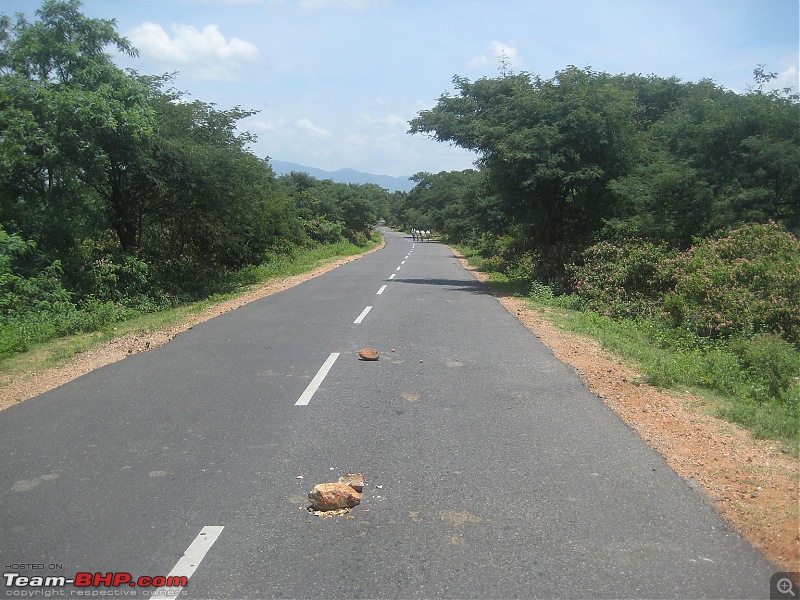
492, 472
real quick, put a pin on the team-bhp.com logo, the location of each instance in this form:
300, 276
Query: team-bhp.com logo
94, 580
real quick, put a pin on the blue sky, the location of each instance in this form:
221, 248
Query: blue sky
336, 81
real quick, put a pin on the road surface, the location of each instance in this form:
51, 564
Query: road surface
492, 472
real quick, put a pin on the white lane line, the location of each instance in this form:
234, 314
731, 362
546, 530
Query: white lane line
397, 269
362, 315
190, 560
380, 291
392, 275
403, 262
318, 378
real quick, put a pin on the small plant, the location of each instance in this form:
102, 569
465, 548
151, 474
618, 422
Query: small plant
541, 292
772, 365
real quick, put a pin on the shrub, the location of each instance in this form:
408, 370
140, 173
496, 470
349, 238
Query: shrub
541, 292
323, 231
772, 365
621, 280
744, 283
523, 267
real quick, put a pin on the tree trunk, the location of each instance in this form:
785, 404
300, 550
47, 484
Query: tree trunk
124, 214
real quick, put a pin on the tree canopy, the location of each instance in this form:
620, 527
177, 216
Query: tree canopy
586, 155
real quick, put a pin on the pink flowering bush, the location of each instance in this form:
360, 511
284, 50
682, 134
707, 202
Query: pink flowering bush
622, 280
745, 283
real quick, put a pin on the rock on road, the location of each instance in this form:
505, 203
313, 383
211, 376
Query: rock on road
491, 471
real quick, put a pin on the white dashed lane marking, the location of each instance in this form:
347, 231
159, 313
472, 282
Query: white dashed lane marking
362, 315
190, 560
312, 388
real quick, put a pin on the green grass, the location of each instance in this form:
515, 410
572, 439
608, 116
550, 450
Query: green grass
751, 382
57, 351
711, 370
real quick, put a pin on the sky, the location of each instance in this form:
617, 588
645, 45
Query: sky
337, 81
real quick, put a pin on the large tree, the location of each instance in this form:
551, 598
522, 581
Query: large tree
549, 147
714, 160
73, 124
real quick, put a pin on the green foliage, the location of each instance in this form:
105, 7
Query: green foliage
37, 307
772, 366
453, 204
614, 189
26, 294
753, 382
743, 283
716, 159
323, 231
586, 156
621, 280
119, 196
331, 212
549, 148
722, 316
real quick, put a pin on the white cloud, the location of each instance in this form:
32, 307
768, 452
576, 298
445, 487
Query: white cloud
262, 125
786, 79
203, 53
390, 120
494, 54
306, 124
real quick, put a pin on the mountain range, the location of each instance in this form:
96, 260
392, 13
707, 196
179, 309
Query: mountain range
393, 184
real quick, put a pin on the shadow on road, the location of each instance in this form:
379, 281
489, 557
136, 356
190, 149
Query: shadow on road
454, 285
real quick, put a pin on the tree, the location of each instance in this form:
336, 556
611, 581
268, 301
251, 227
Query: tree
72, 122
213, 202
714, 160
549, 147
452, 203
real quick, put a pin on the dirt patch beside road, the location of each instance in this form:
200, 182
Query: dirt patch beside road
751, 483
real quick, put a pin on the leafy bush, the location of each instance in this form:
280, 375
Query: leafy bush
541, 292
621, 280
323, 231
119, 277
523, 267
772, 365
744, 283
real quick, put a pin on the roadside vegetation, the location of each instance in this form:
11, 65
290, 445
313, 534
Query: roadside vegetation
656, 215
120, 198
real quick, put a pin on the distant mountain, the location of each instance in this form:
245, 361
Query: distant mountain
393, 184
